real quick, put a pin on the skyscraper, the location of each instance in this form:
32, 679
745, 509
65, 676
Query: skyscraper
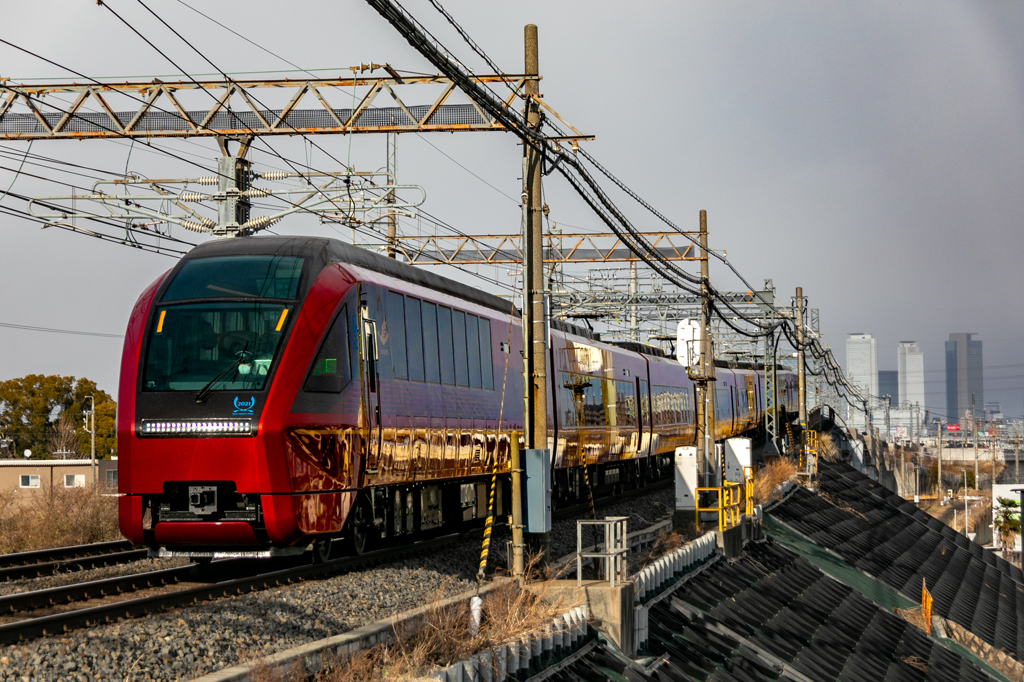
963, 377
889, 384
910, 361
862, 371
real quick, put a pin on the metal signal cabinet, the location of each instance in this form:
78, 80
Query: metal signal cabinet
537, 491
686, 478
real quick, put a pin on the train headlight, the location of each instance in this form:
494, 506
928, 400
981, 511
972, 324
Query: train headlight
196, 428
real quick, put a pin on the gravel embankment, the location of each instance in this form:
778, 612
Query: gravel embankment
187, 642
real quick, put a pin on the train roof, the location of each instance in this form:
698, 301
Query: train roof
323, 251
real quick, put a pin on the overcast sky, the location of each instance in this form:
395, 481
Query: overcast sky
871, 152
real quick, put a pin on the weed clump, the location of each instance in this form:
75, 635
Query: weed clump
770, 476
53, 516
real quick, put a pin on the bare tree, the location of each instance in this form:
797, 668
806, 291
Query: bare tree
63, 438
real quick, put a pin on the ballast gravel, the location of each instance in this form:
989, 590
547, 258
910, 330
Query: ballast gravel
184, 643
71, 577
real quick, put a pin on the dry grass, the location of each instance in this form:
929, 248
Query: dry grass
770, 476
444, 637
54, 516
916, 662
664, 543
827, 448
912, 616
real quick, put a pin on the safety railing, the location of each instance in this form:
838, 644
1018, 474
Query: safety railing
748, 478
727, 507
808, 465
613, 552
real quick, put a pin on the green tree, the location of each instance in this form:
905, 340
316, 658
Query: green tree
1007, 523
31, 406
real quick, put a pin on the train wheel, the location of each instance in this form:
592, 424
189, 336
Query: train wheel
322, 551
361, 531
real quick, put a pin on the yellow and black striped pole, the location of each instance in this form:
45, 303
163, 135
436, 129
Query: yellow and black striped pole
590, 492
489, 524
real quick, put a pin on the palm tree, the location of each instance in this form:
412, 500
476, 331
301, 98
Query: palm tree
1007, 522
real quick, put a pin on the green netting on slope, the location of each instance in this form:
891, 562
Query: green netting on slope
876, 591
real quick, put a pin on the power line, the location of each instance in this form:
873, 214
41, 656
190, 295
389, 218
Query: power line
50, 330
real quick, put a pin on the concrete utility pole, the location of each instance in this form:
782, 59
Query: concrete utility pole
705, 382
1016, 432
534, 338
965, 500
974, 425
518, 546
886, 399
92, 436
938, 438
801, 377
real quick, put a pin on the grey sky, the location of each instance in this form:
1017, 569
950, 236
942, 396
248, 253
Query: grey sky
871, 152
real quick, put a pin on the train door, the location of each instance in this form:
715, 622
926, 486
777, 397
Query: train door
643, 417
369, 360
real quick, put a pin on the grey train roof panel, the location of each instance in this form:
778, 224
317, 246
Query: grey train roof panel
322, 251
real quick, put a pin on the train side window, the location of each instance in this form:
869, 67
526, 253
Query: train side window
486, 367
396, 334
414, 338
461, 360
594, 413
444, 336
331, 370
645, 405
431, 366
473, 348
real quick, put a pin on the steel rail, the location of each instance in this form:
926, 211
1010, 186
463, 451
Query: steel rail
79, 563
58, 623
62, 553
93, 589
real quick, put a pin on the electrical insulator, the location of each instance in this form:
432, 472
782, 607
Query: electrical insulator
208, 180
193, 196
257, 192
274, 175
259, 223
193, 226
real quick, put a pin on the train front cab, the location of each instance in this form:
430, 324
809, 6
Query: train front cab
216, 353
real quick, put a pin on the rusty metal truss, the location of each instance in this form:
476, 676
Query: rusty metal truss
497, 249
237, 108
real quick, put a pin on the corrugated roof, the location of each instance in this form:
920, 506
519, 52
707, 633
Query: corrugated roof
772, 615
889, 538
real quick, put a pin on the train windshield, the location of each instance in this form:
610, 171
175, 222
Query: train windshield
192, 344
198, 344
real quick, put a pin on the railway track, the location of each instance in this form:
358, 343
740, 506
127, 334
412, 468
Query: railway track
220, 578
45, 562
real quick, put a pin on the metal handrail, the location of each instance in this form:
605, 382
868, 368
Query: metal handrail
727, 507
615, 548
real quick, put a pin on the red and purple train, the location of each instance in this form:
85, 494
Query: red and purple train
282, 391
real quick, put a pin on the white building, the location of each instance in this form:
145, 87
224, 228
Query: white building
910, 365
861, 370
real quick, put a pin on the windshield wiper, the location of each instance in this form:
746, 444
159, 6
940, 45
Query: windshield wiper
243, 358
